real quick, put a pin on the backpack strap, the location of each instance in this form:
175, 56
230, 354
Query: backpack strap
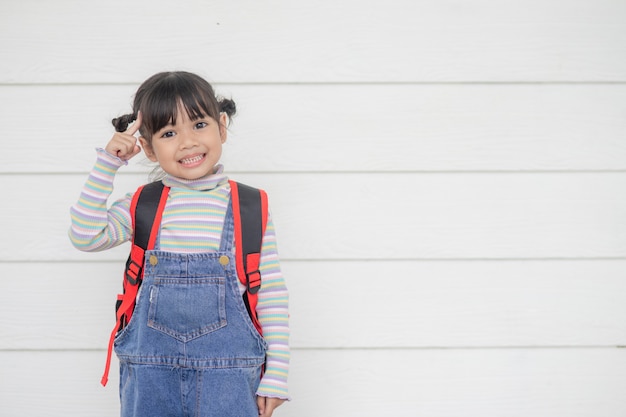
146, 209
250, 218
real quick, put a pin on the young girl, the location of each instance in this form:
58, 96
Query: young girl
182, 127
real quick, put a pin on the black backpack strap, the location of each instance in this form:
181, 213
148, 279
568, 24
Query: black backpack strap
250, 215
144, 210
251, 232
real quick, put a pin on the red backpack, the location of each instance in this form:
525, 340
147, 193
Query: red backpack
250, 218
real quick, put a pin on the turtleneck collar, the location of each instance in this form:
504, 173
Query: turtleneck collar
206, 183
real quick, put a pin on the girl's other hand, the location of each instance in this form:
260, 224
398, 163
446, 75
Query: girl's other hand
267, 405
124, 145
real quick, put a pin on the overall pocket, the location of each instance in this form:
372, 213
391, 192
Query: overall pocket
187, 308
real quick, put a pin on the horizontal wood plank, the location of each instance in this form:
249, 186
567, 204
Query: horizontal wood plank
369, 216
317, 41
306, 128
354, 304
364, 383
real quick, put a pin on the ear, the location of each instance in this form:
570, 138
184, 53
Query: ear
223, 130
147, 149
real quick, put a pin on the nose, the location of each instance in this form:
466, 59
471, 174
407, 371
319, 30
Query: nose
186, 140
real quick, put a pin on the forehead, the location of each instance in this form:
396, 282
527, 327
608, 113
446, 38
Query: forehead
183, 114
169, 112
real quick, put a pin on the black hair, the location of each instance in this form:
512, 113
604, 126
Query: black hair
159, 96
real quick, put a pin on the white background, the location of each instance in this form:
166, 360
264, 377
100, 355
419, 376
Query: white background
446, 177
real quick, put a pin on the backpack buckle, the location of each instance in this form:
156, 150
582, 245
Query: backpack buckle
133, 271
253, 281
134, 265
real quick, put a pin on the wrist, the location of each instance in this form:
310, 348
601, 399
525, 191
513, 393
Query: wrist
110, 159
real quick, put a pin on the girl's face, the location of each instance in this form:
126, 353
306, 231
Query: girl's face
188, 149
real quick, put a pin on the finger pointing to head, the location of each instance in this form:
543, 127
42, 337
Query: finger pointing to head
132, 129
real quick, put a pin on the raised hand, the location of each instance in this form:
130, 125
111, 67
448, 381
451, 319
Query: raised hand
124, 144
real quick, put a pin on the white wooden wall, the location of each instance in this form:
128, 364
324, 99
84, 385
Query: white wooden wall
448, 180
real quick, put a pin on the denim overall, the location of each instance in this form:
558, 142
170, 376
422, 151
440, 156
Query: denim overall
190, 348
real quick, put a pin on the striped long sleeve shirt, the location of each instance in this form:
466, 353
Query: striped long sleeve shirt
192, 222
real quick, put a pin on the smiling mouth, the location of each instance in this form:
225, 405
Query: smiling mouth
192, 160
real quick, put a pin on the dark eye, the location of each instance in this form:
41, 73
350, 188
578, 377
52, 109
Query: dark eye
200, 125
167, 134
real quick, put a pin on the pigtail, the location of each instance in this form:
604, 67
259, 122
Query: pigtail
227, 106
121, 123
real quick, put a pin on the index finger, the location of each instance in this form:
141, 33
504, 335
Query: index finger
132, 129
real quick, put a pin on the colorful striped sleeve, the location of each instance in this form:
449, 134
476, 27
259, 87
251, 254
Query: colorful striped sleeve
272, 311
94, 227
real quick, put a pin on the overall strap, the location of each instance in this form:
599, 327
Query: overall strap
146, 209
250, 219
